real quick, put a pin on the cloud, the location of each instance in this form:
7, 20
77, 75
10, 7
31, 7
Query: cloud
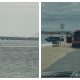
19, 19
54, 13
60, 9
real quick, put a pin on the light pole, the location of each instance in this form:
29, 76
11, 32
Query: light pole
62, 31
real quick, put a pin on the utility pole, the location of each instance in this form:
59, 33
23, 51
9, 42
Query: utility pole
62, 31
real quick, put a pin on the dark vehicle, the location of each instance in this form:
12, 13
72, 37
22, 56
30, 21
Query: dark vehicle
51, 39
76, 39
69, 38
61, 38
66, 74
54, 40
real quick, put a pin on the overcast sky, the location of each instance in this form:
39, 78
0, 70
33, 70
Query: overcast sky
19, 19
56, 13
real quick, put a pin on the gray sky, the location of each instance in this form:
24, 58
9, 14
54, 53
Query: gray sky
56, 13
19, 19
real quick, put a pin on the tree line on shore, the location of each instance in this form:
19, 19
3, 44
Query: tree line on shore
56, 32
18, 38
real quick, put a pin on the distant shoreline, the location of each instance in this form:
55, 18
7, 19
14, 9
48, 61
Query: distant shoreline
18, 38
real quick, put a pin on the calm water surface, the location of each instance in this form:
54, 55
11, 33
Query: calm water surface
19, 43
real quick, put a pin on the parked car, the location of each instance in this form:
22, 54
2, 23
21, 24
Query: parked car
61, 38
69, 38
54, 40
76, 39
51, 39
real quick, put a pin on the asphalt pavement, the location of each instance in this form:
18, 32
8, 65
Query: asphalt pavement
71, 62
